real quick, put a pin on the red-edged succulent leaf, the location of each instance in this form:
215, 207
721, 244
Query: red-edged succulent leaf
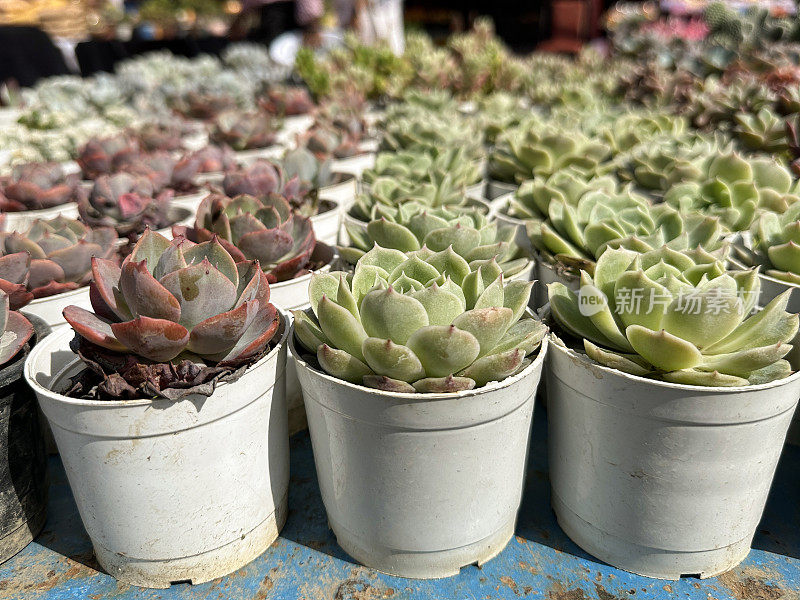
18, 330
105, 300
53, 288
145, 296
14, 267
257, 336
202, 291
156, 339
44, 271
216, 255
150, 246
18, 294
76, 260
253, 283
215, 336
266, 246
92, 328
15, 242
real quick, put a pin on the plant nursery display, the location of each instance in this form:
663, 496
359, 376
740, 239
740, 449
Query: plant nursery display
402, 246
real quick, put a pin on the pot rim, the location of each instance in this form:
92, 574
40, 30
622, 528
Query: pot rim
35, 214
55, 338
492, 386
45, 299
345, 178
559, 346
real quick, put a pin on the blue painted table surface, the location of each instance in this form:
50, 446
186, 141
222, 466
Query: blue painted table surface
305, 562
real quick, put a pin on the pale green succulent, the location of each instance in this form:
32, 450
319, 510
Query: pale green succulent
422, 130
499, 112
534, 151
736, 190
661, 163
633, 128
453, 163
661, 315
575, 236
467, 231
385, 195
533, 196
418, 323
763, 131
776, 240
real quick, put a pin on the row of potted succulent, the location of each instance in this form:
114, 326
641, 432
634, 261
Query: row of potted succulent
416, 344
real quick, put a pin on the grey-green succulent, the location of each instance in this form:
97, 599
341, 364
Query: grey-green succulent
776, 241
661, 315
736, 189
467, 231
533, 196
534, 151
415, 322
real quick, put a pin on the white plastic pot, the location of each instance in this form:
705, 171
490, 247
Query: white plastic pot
293, 126
343, 192
172, 491
326, 223
548, 272
293, 295
248, 157
22, 220
190, 201
500, 204
420, 485
49, 309
656, 478
354, 165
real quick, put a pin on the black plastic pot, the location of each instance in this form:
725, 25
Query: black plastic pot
23, 460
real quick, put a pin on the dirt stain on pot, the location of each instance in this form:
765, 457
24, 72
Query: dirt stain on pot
560, 593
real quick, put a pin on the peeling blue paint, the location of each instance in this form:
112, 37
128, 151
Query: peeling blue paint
306, 563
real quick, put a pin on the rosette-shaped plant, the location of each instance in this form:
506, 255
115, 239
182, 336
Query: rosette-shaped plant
661, 315
776, 241
466, 230
266, 230
211, 159
453, 164
326, 142
244, 131
420, 322
533, 197
763, 131
15, 331
34, 186
736, 189
425, 131
529, 152
126, 202
631, 129
53, 256
575, 236
285, 101
663, 163
203, 104
101, 156
172, 300
160, 135
386, 195
500, 112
